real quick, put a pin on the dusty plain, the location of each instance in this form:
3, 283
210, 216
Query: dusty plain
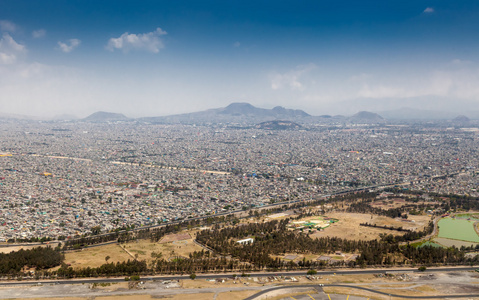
408, 284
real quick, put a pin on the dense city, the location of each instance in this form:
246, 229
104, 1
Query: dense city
65, 179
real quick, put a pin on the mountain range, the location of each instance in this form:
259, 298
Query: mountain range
234, 113
242, 113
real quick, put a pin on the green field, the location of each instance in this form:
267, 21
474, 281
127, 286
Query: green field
458, 230
429, 243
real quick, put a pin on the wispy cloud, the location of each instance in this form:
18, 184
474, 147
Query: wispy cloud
428, 10
10, 49
291, 78
7, 26
39, 33
72, 44
381, 91
236, 44
456, 79
150, 41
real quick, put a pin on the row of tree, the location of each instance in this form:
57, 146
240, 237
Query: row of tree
38, 258
274, 239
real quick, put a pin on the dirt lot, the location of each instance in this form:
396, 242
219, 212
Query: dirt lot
348, 226
175, 237
16, 248
411, 284
95, 257
144, 248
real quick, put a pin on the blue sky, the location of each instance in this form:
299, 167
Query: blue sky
148, 58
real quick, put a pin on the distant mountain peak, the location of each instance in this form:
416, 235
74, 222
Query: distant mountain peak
103, 116
244, 108
461, 118
237, 112
366, 115
239, 108
279, 109
236, 105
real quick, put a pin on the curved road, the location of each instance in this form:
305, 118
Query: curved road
316, 286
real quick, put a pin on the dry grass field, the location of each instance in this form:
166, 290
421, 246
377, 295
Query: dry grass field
95, 257
175, 237
348, 226
236, 295
16, 248
170, 250
354, 292
140, 249
60, 298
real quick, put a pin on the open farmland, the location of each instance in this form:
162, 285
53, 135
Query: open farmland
348, 226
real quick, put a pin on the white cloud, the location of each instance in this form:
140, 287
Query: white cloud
10, 49
73, 43
236, 44
7, 59
291, 78
150, 41
39, 33
7, 26
428, 10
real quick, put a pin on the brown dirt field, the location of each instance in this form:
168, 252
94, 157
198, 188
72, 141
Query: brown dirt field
351, 278
354, 292
235, 295
389, 203
113, 286
95, 257
10, 249
126, 297
291, 295
175, 237
144, 248
348, 226
426, 288
60, 298
198, 296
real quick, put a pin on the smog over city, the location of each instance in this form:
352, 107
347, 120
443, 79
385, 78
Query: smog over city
239, 149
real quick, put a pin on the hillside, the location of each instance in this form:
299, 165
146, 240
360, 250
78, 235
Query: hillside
102, 116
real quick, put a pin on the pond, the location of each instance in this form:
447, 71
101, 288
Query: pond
457, 229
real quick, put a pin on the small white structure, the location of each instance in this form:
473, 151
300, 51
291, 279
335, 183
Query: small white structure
246, 241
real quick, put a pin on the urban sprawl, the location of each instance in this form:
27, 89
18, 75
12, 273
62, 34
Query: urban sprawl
62, 180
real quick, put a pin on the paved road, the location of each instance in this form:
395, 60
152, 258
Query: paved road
315, 286
217, 276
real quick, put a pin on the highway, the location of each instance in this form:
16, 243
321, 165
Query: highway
224, 275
